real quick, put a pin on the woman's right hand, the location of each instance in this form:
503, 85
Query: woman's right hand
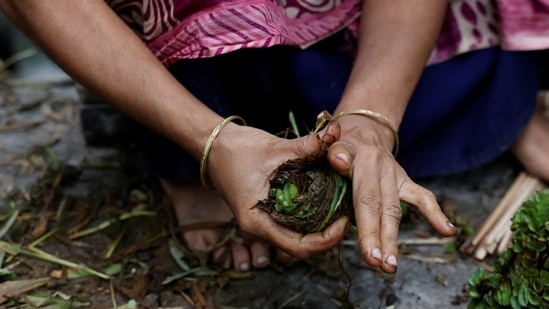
241, 163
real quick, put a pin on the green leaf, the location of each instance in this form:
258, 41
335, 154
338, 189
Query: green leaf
293, 123
450, 248
522, 296
535, 245
530, 272
339, 194
537, 285
474, 280
178, 255
544, 276
499, 297
517, 248
473, 293
532, 297
404, 208
514, 302
294, 191
505, 291
495, 279
6, 275
284, 198
520, 276
287, 192
9, 224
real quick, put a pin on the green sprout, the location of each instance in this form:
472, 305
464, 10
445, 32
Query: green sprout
285, 198
341, 188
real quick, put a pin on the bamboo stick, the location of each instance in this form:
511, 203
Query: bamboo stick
494, 235
522, 191
505, 242
499, 211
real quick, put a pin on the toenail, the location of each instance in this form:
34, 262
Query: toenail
376, 254
391, 260
262, 260
244, 266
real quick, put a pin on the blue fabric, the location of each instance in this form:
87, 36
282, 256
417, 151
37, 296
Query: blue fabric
261, 85
464, 112
467, 111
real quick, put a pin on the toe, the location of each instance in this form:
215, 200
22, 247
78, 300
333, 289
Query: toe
241, 257
223, 257
260, 254
201, 240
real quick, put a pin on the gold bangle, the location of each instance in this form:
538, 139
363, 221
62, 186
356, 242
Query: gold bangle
377, 116
208, 146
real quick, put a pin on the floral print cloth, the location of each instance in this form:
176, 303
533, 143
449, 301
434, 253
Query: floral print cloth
177, 29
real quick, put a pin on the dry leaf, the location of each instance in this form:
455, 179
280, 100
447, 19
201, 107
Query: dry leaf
15, 288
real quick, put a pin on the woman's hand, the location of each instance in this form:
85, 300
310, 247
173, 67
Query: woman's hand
395, 41
241, 163
363, 153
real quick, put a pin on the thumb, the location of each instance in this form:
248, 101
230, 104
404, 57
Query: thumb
317, 144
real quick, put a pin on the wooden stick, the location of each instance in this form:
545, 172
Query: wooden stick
505, 242
527, 188
20, 125
495, 233
523, 187
519, 195
499, 211
480, 253
431, 241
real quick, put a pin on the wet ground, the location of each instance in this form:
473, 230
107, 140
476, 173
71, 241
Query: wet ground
41, 142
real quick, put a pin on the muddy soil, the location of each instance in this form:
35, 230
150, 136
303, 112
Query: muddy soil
82, 187
307, 195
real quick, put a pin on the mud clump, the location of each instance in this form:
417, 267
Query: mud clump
307, 195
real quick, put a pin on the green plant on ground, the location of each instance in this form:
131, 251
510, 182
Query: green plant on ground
520, 276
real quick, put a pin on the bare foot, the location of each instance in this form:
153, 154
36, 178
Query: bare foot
532, 146
197, 206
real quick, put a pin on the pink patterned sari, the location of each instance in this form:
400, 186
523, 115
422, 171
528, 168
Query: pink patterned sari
177, 29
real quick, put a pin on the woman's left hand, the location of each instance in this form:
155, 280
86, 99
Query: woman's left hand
363, 153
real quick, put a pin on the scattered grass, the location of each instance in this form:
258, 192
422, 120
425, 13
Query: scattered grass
47, 224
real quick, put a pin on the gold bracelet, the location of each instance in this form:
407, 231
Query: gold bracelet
208, 146
377, 116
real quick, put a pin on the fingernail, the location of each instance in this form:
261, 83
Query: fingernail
391, 260
376, 253
244, 267
262, 260
343, 157
328, 138
453, 227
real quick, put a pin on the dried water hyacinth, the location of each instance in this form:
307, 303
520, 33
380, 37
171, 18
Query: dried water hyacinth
520, 277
